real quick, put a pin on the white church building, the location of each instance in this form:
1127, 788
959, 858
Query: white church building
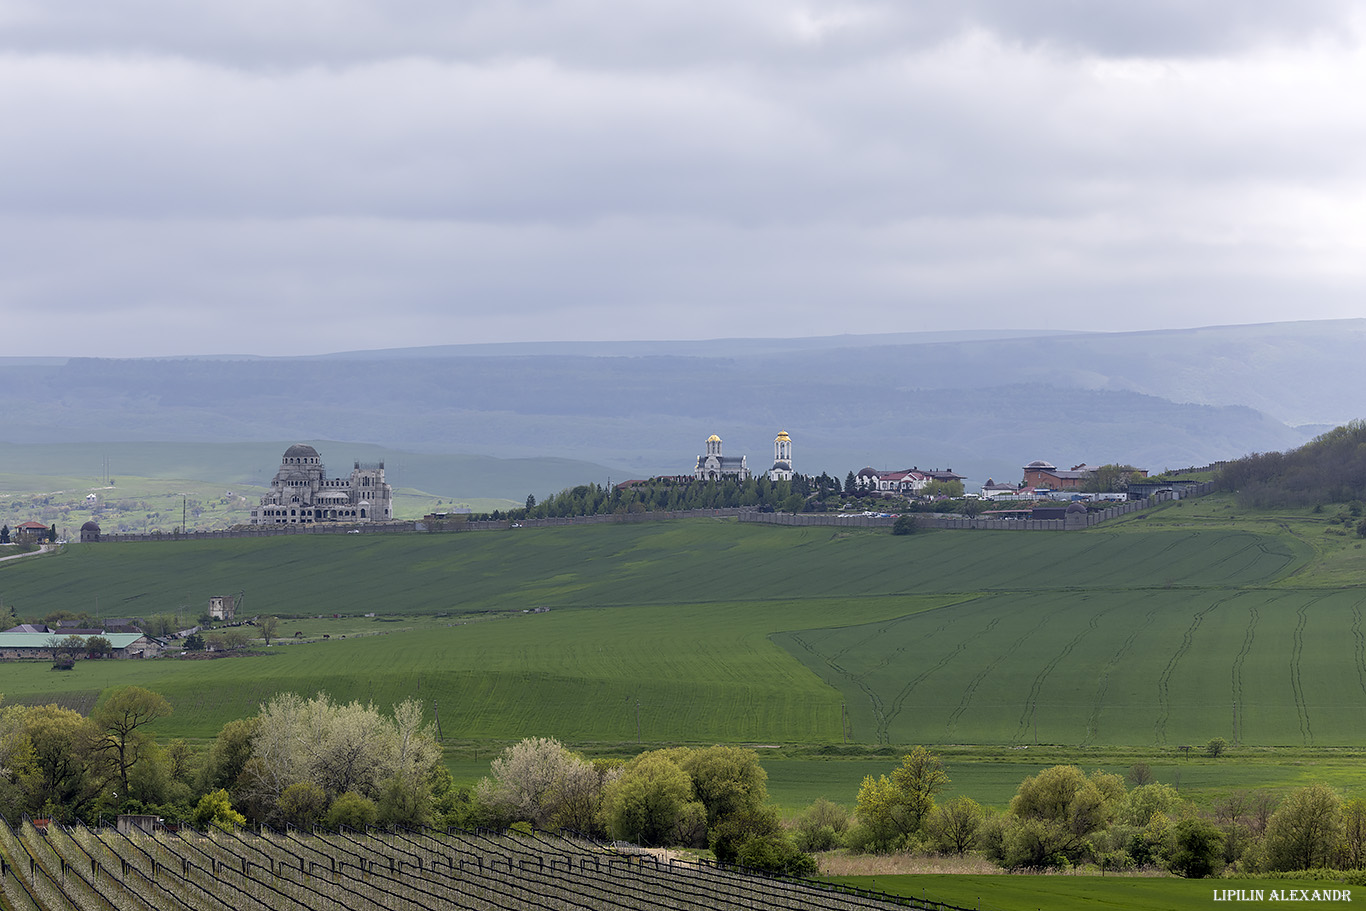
714, 466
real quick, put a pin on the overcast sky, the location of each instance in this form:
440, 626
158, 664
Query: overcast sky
258, 177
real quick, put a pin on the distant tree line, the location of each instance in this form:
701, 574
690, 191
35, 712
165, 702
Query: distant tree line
802, 493
306, 762
1065, 818
1331, 468
299, 761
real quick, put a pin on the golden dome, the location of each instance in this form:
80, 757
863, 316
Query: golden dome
713, 439
782, 435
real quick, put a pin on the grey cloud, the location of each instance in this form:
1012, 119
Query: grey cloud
282, 178
972, 129
257, 33
278, 287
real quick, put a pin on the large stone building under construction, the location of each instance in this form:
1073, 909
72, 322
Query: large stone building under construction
302, 494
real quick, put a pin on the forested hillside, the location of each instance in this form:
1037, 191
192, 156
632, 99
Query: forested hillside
1331, 468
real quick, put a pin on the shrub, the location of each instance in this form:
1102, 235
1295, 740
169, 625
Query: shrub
775, 854
353, 810
303, 804
822, 826
215, 809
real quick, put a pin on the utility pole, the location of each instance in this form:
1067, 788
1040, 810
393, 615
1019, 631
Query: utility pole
437, 715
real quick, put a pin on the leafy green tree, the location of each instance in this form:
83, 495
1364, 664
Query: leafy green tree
775, 853
302, 804
1137, 806
905, 525
881, 820
66, 645
890, 810
4, 535
1198, 847
215, 809
353, 810
181, 762
230, 752
120, 719
821, 826
647, 801
950, 489
1234, 813
98, 647
268, 626
404, 801
1306, 830
53, 764
1055, 814
1112, 478
729, 836
727, 780
1354, 834
954, 827
1216, 747
919, 779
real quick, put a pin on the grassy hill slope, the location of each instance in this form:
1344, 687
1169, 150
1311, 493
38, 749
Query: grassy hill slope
1162, 630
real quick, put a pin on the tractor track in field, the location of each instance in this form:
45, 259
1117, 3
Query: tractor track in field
853, 678
881, 716
860, 644
1032, 699
1296, 662
1164, 702
1248, 637
1359, 642
884, 728
1255, 545
971, 689
897, 652
1093, 722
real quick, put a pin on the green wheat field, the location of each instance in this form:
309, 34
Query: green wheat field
1156, 632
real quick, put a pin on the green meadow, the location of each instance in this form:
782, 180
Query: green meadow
1123, 893
1152, 633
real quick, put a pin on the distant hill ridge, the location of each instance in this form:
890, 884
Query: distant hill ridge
981, 403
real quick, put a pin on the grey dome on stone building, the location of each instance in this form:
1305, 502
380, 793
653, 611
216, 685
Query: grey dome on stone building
90, 532
302, 494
